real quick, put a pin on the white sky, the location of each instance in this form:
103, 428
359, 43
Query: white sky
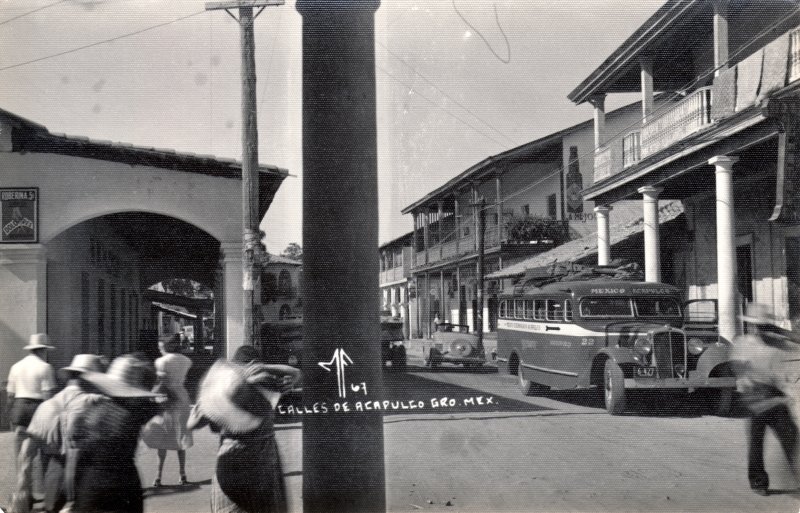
178, 86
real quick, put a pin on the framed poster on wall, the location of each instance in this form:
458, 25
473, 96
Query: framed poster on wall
19, 214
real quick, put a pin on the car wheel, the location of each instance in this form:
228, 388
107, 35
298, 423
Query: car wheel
432, 361
399, 359
614, 388
720, 401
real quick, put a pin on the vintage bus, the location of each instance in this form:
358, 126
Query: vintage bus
610, 334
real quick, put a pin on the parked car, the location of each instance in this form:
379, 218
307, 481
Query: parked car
282, 342
392, 349
454, 343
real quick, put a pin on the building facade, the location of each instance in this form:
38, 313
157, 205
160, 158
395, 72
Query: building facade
532, 201
89, 226
281, 289
724, 144
395, 268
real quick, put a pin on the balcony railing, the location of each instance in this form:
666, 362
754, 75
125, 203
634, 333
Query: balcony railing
466, 246
392, 275
631, 149
677, 122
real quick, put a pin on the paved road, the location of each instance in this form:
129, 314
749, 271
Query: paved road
504, 452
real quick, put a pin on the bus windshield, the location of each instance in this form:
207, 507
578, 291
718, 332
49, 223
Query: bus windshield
604, 307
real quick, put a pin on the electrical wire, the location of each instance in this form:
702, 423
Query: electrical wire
432, 84
98, 43
411, 88
9, 20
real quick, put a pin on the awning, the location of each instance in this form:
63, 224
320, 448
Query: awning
584, 247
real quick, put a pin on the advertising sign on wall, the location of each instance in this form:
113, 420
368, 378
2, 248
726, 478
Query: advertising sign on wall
19, 214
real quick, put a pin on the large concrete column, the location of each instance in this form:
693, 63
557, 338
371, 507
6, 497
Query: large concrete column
652, 245
726, 247
23, 270
343, 466
603, 235
231, 253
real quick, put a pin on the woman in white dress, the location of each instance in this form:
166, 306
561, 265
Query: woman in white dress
168, 432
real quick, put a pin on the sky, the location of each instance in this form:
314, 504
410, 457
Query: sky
457, 81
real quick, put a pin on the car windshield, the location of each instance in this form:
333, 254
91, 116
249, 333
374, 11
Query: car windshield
624, 307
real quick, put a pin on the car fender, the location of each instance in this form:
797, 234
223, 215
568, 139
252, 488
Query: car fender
712, 357
620, 355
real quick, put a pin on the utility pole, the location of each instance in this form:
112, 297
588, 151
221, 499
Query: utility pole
481, 206
252, 252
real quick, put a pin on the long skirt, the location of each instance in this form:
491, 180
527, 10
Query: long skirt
167, 430
249, 477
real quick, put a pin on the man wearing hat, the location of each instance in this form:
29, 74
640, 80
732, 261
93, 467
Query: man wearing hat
30, 381
51, 431
766, 366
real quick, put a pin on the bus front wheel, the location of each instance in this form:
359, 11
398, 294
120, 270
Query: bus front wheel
614, 388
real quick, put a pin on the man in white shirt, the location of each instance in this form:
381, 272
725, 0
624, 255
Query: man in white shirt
30, 382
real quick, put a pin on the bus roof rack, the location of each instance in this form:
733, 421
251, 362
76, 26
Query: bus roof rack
571, 271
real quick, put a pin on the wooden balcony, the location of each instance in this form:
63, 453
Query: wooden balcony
466, 246
392, 275
676, 122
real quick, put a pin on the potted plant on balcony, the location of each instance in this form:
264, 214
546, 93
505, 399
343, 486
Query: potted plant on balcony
534, 229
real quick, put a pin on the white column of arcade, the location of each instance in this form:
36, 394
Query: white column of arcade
23, 280
652, 246
231, 253
603, 235
726, 247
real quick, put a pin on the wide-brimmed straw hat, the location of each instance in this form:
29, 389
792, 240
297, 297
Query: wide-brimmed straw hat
83, 363
127, 376
38, 341
227, 399
757, 313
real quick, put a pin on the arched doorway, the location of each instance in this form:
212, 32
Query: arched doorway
98, 278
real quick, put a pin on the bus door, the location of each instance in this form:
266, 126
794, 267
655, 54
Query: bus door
561, 357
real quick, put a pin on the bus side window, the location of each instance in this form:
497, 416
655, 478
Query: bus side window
568, 310
555, 310
519, 309
529, 308
503, 309
539, 310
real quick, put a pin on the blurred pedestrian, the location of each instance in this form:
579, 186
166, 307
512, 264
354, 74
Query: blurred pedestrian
766, 363
30, 381
107, 435
50, 431
237, 400
167, 431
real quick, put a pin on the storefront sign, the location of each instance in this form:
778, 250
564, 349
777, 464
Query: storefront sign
19, 214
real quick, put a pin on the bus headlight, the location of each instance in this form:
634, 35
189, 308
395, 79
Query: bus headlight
695, 346
643, 346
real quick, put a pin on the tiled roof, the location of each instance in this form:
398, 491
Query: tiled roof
587, 246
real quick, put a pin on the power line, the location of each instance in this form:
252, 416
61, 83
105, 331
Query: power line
98, 43
411, 88
9, 20
431, 83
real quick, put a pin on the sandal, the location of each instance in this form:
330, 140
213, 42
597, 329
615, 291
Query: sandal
183, 480
157, 483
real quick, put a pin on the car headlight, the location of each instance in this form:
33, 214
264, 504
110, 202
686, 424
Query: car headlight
695, 346
643, 346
